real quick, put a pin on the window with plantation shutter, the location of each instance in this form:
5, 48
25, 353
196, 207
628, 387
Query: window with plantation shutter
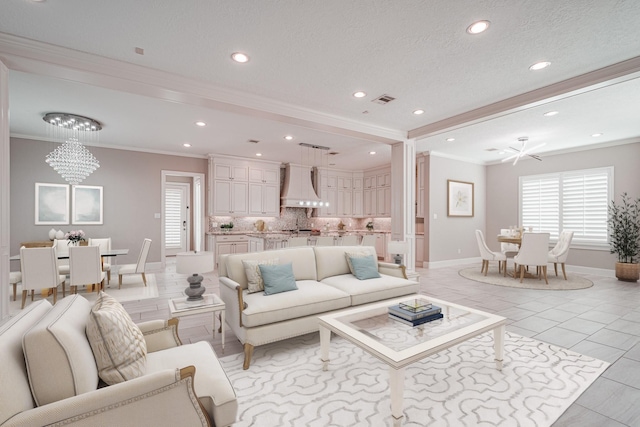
573, 200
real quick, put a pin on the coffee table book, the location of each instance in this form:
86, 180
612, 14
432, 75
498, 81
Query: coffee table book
417, 322
399, 311
416, 305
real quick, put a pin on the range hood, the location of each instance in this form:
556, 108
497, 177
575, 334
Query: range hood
298, 189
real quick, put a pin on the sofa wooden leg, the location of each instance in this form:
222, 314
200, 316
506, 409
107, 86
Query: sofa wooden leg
248, 352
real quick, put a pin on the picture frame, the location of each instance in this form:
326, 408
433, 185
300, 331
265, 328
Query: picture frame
460, 200
51, 204
86, 205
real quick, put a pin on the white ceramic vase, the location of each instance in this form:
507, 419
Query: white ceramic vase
52, 234
60, 234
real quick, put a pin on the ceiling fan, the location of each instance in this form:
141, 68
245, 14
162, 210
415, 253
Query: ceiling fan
524, 151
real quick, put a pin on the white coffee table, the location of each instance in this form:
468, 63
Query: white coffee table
399, 345
211, 303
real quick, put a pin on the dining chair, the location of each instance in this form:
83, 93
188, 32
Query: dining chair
325, 241
297, 241
560, 251
62, 249
368, 240
85, 268
15, 277
488, 255
350, 240
39, 268
137, 268
105, 246
534, 251
509, 249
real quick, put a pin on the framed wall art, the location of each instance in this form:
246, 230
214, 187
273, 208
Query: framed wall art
52, 204
459, 198
86, 205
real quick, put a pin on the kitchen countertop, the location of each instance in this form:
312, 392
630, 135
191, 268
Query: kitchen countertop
266, 234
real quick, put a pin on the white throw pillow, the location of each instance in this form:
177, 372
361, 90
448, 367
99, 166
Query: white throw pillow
117, 342
357, 254
254, 277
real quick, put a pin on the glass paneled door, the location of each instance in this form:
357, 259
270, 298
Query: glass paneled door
176, 217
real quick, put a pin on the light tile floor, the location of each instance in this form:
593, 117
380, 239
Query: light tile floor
602, 321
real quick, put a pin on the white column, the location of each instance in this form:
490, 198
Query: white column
403, 197
5, 189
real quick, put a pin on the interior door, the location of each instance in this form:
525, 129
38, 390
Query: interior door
176, 218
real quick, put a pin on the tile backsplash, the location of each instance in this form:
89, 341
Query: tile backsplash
296, 218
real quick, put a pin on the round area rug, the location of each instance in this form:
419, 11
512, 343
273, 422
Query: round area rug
555, 283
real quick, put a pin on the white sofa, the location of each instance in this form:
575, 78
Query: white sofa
49, 375
325, 284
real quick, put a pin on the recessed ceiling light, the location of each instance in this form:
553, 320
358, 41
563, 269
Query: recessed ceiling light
288, 137
240, 57
372, 152
201, 124
259, 154
478, 27
418, 112
539, 65
450, 139
550, 113
595, 135
186, 144
359, 94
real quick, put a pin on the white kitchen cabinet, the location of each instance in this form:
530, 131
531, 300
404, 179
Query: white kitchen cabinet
358, 205
381, 245
369, 182
420, 193
231, 244
419, 250
263, 199
369, 204
230, 198
345, 203
233, 172
264, 176
383, 179
383, 201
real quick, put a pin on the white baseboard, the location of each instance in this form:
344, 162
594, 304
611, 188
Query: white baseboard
452, 262
589, 270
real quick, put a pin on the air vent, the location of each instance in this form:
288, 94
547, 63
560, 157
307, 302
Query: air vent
383, 99
332, 153
253, 141
490, 149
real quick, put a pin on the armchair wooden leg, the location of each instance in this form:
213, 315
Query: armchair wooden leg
564, 273
504, 268
521, 273
32, 292
55, 295
248, 352
24, 298
15, 286
544, 271
144, 279
555, 267
108, 276
119, 281
64, 293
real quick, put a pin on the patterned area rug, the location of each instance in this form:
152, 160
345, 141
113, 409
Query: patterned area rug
555, 283
286, 386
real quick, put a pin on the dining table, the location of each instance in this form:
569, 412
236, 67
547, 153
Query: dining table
109, 253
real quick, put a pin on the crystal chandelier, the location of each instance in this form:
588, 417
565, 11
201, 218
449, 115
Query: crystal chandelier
71, 159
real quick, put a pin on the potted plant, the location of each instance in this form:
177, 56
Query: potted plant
624, 237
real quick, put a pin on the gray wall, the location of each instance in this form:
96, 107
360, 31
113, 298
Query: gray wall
132, 194
502, 193
446, 234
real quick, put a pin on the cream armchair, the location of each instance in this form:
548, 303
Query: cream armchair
533, 251
137, 268
49, 375
488, 255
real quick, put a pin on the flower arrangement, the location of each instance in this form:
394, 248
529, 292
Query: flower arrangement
369, 225
75, 236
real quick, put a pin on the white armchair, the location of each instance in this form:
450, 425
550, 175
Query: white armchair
105, 246
15, 277
62, 249
509, 249
560, 252
40, 271
533, 252
137, 268
488, 255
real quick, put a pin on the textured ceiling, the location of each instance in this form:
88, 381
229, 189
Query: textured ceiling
307, 58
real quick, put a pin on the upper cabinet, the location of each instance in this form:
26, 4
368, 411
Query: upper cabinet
343, 191
243, 187
377, 192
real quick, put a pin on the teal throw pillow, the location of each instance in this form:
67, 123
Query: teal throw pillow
277, 278
365, 267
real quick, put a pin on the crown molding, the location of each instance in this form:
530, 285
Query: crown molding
39, 58
603, 77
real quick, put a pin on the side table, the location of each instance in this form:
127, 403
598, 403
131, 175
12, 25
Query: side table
211, 303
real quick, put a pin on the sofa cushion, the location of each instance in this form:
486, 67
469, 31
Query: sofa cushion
366, 291
302, 258
331, 260
364, 267
117, 342
58, 356
278, 278
211, 384
311, 298
255, 283
15, 394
